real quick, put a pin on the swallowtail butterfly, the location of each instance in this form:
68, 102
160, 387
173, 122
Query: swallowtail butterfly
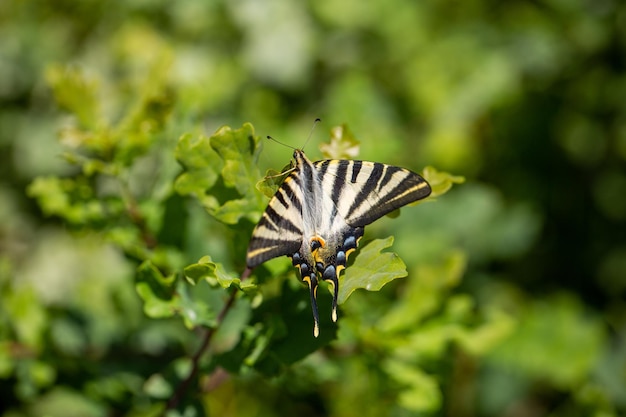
318, 214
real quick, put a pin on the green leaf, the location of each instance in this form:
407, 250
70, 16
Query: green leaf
231, 155
239, 150
425, 292
195, 312
129, 239
134, 135
215, 275
156, 291
231, 211
75, 93
342, 145
166, 297
498, 325
372, 269
420, 391
70, 199
206, 269
201, 165
272, 181
287, 323
440, 182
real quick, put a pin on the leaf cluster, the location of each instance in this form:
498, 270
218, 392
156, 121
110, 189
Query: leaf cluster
121, 284
256, 321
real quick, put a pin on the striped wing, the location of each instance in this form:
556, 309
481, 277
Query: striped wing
279, 232
365, 191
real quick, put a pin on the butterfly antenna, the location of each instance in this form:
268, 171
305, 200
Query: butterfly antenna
311, 132
280, 143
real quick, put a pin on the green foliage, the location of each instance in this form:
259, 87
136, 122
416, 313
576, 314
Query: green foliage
124, 221
220, 172
572, 342
372, 269
440, 182
234, 152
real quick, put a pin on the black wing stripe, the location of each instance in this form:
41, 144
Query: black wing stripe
322, 166
402, 190
389, 173
367, 188
287, 190
414, 193
268, 223
339, 182
280, 196
356, 168
280, 222
258, 242
261, 250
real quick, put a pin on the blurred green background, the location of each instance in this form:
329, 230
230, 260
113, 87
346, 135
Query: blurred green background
527, 100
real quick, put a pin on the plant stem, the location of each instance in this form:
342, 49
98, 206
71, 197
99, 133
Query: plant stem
206, 342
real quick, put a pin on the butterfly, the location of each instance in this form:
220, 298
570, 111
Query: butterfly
318, 214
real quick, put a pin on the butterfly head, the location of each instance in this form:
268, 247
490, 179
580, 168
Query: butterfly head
299, 157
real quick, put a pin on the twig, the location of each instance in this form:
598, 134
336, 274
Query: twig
206, 342
135, 215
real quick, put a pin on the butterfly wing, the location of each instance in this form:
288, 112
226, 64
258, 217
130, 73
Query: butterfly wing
279, 232
365, 191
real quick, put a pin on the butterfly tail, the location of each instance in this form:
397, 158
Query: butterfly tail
330, 275
312, 281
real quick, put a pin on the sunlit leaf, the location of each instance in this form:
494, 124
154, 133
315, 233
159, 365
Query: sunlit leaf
239, 150
72, 200
76, 93
342, 145
135, 134
231, 211
232, 155
215, 275
440, 181
156, 291
272, 181
206, 269
372, 269
201, 165
425, 291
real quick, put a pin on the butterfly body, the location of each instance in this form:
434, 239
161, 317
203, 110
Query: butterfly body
318, 214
